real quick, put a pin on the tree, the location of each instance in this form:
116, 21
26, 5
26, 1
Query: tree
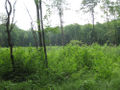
9, 28
43, 34
114, 9
59, 5
33, 32
89, 6
105, 8
38, 21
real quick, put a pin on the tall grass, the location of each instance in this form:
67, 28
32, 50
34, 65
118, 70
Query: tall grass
73, 67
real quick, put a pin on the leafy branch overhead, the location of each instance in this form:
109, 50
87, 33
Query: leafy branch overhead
89, 5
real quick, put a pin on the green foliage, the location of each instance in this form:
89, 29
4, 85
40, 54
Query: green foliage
26, 63
76, 42
89, 5
72, 67
106, 33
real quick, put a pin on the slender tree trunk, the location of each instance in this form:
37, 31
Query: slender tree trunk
10, 43
107, 18
61, 26
38, 24
93, 31
33, 32
93, 21
9, 29
43, 34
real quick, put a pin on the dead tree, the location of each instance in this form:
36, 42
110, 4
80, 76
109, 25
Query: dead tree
9, 28
33, 32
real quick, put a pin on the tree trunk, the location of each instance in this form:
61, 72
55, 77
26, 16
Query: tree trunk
61, 26
38, 24
43, 34
9, 29
10, 42
93, 36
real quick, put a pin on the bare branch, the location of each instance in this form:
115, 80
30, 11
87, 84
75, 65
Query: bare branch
6, 7
12, 23
13, 11
12, 26
28, 13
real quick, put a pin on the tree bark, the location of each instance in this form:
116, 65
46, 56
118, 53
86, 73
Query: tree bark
33, 32
38, 24
93, 36
9, 29
43, 34
61, 26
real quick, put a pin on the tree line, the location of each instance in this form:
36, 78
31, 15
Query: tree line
82, 33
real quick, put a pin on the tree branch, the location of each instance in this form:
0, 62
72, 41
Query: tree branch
12, 23
6, 7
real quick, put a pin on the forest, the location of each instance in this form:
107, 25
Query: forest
62, 57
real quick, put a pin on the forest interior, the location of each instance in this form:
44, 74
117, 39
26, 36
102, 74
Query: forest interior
59, 45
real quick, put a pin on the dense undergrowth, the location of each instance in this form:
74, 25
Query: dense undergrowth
73, 67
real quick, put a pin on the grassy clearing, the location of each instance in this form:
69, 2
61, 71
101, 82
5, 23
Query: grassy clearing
70, 68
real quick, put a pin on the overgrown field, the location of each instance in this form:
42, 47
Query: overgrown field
73, 67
